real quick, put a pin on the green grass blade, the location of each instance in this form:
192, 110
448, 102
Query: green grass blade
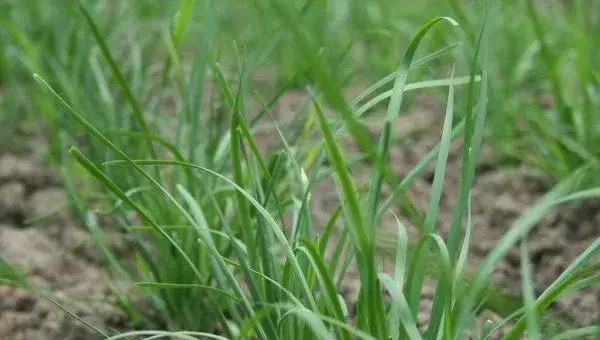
196, 87
443, 294
329, 229
243, 215
209, 289
533, 326
160, 140
413, 86
167, 334
392, 113
550, 62
407, 320
137, 111
356, 225
74, 315
580, 333
182, 21
473, 128
395, 314
393, 75
461, 263
327, 286
10, 275
437, 188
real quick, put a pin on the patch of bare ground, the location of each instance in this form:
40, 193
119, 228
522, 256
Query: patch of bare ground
57, 255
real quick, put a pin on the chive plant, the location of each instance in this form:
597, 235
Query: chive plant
204, 208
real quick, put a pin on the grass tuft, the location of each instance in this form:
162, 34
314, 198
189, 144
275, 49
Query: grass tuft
160, 116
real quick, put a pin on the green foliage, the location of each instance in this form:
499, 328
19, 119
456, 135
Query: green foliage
160, 110
546, 94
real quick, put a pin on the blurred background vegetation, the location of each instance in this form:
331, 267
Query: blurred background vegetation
544, 94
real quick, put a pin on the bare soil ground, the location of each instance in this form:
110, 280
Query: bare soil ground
56, 253
60, 256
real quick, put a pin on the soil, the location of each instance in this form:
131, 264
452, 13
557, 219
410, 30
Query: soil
56, 254
59, 256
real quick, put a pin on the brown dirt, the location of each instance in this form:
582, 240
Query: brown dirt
28, 190
47, 252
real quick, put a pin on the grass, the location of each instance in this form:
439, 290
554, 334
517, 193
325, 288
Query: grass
158, 113
543, 102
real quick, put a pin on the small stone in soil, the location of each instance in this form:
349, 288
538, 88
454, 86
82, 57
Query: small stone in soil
28, 248
25, 170
12, 197
46, 202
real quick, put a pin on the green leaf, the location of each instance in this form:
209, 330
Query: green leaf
437, 188
533, 326
209, 289
11, 275
182, 21
137, 111
401, 306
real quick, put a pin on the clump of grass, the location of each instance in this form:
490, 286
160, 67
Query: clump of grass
204, 208
546, 92
569, 126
